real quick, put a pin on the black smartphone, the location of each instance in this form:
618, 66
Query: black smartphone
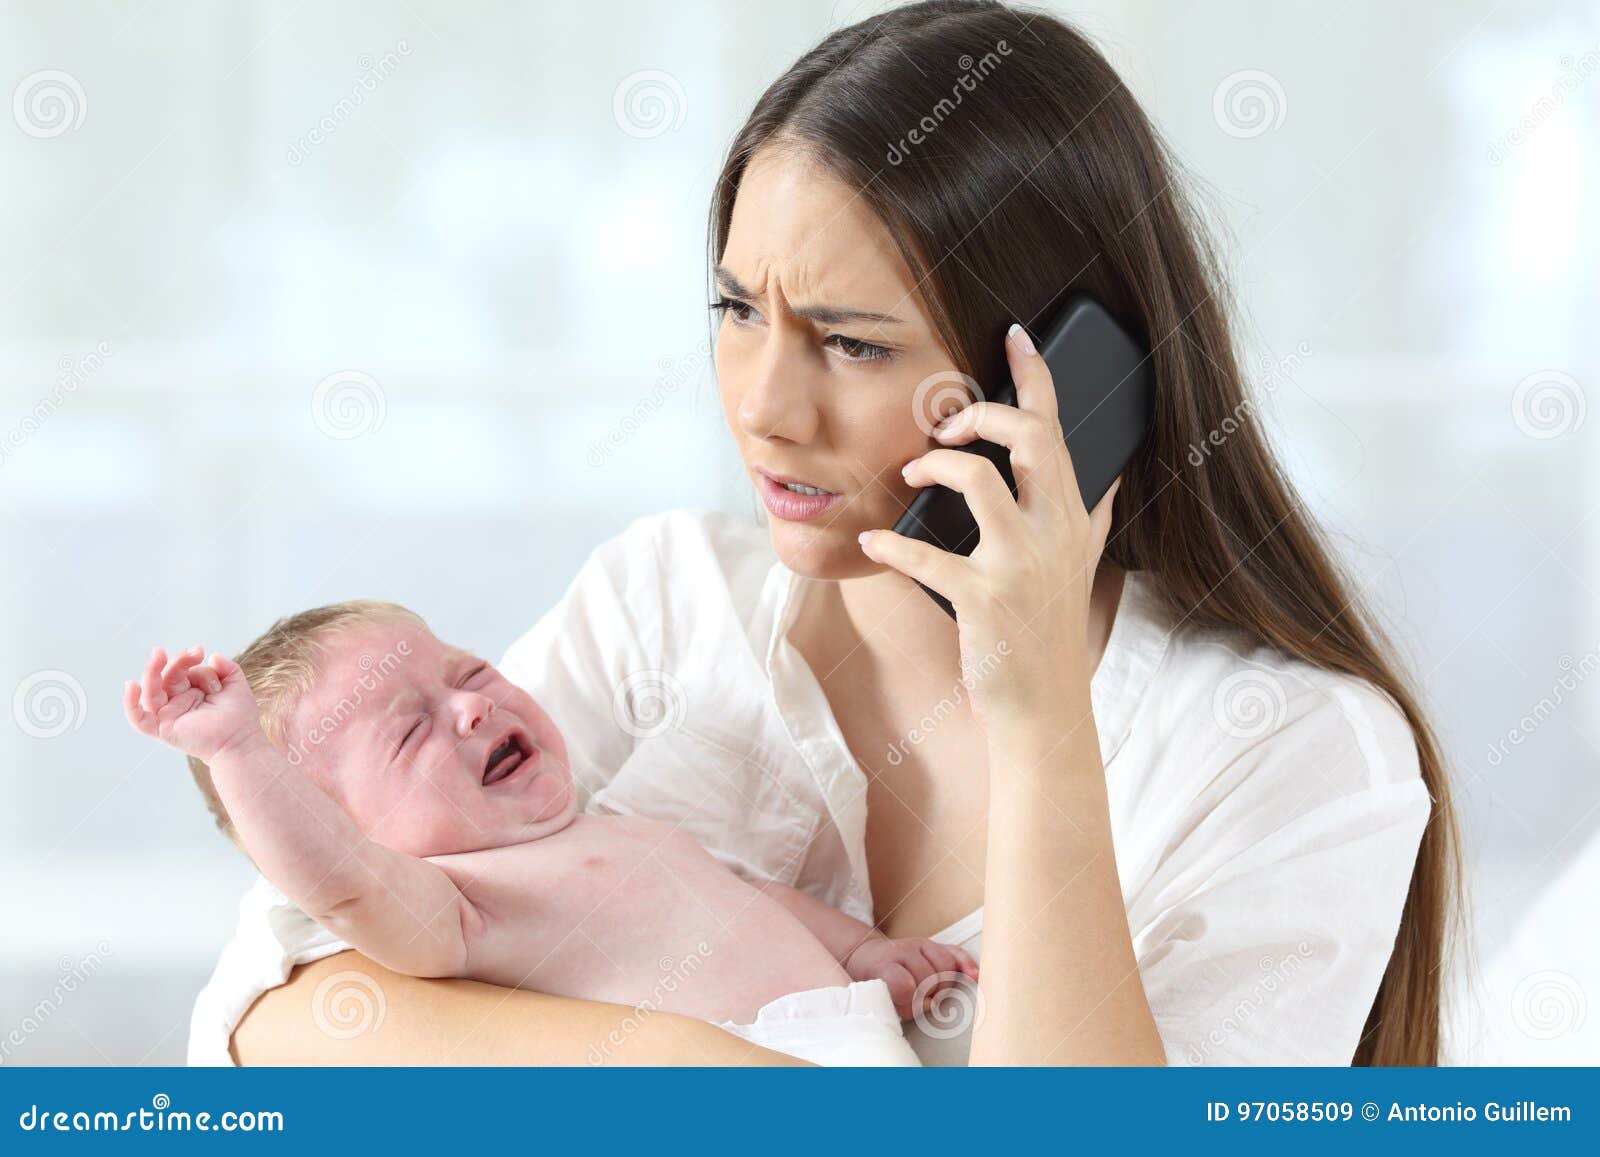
1105, 394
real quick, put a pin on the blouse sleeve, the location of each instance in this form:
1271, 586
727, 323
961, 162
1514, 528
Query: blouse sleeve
1273, 917
588, 660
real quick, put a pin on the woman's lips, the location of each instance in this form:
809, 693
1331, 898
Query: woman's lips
792, 506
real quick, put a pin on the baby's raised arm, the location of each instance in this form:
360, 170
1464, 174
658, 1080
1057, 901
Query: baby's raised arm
401, 911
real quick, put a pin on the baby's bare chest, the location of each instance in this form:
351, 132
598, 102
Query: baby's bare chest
620, 892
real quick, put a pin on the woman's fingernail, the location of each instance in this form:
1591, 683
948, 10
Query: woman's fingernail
864, 537
1019, 338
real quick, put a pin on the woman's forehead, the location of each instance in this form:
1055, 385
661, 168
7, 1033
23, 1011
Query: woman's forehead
795, 220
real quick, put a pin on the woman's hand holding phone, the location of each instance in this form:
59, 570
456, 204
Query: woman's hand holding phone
1022, 597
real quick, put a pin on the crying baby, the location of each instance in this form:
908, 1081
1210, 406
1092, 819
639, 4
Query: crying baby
433, 826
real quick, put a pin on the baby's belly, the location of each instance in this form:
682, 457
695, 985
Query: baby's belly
677, 932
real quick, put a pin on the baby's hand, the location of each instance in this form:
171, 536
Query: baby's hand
914, 970
201, 708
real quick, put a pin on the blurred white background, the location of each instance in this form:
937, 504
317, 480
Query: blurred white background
304, 302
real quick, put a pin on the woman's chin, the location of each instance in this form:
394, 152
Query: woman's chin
828, 553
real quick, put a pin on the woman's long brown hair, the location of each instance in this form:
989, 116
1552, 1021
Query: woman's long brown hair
1013, 167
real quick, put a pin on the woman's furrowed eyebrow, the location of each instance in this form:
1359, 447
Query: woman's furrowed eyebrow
824, 314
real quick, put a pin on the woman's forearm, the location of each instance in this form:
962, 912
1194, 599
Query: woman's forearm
1060, 982
388, 1018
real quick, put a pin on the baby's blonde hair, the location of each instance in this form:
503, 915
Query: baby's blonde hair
281, 665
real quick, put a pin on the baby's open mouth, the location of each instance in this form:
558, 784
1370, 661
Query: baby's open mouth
505, 759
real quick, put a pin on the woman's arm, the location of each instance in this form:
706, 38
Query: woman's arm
1060, 981
388, 1018
1059, 972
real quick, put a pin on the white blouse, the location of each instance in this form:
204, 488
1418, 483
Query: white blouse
1265, 813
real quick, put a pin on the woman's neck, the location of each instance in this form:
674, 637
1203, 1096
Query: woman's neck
889, 612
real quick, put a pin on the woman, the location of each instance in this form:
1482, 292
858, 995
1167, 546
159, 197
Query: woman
1161, 769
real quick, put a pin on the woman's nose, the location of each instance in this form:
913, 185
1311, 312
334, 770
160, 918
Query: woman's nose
777, 401
471, 710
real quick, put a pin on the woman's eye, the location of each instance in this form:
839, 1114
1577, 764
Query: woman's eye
477, 676
856, 350
741, 312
